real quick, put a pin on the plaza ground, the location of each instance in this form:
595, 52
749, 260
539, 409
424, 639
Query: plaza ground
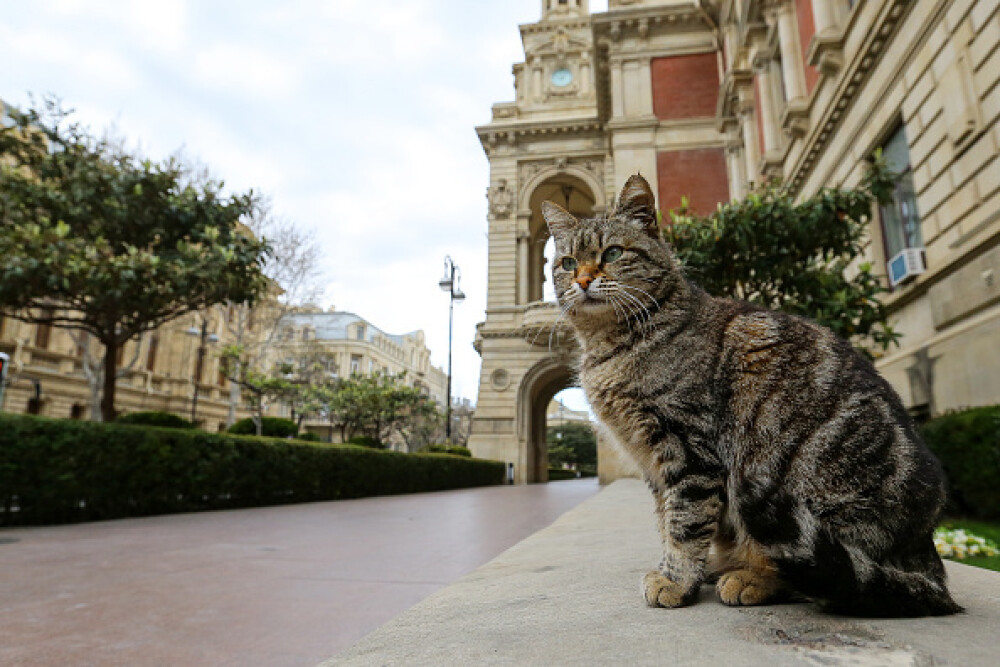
290, 585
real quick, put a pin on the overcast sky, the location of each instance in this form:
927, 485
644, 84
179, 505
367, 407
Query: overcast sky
355, 116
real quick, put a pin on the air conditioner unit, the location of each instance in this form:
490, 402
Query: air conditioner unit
906, 264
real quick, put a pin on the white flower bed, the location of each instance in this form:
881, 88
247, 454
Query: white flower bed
959, 544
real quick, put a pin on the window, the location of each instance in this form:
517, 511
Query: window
360, 332
355, 364
43, 332
154, 343
900, 217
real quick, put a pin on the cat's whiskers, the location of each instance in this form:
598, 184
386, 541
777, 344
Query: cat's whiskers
562, 313
634, 299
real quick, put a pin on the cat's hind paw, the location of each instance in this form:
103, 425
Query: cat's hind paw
747, 587
661, 591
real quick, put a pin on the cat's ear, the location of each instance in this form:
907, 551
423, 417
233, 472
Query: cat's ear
560, 221
638, 203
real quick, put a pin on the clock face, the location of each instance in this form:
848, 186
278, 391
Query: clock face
562, 77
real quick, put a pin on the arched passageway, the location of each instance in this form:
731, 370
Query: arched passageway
572, 193
546, 379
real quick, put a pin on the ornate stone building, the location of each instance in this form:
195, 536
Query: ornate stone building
163, 369
706, 97
357, 346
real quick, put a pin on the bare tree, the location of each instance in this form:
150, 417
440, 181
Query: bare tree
295, 278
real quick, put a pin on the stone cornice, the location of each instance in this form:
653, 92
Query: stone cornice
494, 133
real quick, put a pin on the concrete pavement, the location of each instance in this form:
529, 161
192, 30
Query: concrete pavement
273, 586
569, 595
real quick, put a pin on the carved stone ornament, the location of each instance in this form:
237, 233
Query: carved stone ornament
500, 379
500, 197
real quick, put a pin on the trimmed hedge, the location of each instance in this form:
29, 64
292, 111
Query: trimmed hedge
454, 450
968, 445
271, 427
63, 471
161, 419
366, 441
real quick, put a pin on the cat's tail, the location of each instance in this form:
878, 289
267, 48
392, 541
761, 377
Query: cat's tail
848, 582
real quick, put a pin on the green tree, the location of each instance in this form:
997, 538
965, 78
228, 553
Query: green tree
259, 389
96, 240
803, 257
572, 443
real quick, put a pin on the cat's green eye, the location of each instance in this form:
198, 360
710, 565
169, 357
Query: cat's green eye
611, 254
569, 264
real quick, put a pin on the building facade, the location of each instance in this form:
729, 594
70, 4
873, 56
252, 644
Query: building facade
160, 371
706, 98
48, 371
356, 346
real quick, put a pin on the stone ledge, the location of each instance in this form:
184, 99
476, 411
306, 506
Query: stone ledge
570, 595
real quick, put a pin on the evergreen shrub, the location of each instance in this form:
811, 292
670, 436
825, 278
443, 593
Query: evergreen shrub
272, 427
365, 441
454, 450
968, 445
152, 418
63, 471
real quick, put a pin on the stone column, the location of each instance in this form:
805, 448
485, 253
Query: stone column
617, 90
792, 68
765, 91
736, 164
751, 142
523, 268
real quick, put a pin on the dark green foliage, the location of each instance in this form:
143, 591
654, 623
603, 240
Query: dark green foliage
447, 449
60, 471
95, 239
574, 444
365, 441
560, 474
968, 445
274, 427
791, 255
161, 419
308, 436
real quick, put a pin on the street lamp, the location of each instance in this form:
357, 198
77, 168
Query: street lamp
449, 283
203, 337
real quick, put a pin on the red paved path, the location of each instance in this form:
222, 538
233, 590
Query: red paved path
275, 586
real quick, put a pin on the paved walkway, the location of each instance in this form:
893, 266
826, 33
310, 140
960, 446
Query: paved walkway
569, 595
276, 586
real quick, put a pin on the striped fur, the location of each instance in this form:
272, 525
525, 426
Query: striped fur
779, 459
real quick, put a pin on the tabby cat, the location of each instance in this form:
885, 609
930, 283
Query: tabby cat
766, 441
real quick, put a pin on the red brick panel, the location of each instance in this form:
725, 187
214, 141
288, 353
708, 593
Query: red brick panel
698, 174
685, 86
807, 28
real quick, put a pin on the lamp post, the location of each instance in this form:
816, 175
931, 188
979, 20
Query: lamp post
449, 283
203, 337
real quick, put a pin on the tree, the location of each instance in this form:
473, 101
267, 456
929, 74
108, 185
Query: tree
292, 269
258, 388
800, 257
96, 240
574, 444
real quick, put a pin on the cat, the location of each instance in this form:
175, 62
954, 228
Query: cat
767, 442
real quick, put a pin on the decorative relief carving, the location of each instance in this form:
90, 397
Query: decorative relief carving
500, 379
501, 198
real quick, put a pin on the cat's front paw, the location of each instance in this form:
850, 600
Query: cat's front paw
746, 587
661, 591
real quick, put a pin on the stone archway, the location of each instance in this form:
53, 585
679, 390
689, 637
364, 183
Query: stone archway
572, 193
538, 387
528, 354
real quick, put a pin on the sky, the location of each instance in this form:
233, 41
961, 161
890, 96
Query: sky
355, 117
